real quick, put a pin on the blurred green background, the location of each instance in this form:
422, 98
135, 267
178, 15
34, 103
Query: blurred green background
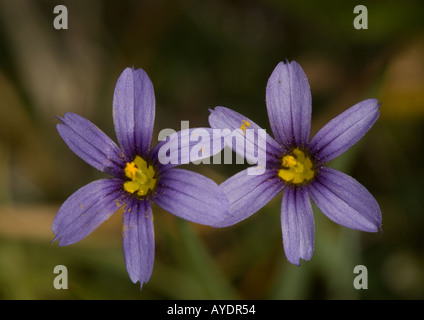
200, 54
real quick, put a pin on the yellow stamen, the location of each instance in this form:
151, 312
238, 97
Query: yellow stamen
131, 170
296, 168
288, 161
243, 126
142, 177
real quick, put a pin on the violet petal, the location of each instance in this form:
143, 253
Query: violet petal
134, 112
91, 144
191, 196
225, 118
345, 130
289, 104
86, 209
345, 201
297, 225
248, 193
138, 240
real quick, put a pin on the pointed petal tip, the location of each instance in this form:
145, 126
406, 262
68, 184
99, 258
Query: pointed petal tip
140, 281
132, 71
374, 221
216, 109
294, 261
374, 103
376, 227
297, 261
67, 116
61, 242
286, 63
54, 239
127, 70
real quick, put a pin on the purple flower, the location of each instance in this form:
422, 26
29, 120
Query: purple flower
295, 164
139, 178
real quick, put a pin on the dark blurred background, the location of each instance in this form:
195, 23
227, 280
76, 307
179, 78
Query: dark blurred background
201, 54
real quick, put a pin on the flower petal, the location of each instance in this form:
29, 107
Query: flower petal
248, 193
345, 201
345, 130
91, 144
240, 128
185, 146
86, 209
191, 196
138, 240
297, 225
289, 104
134, 112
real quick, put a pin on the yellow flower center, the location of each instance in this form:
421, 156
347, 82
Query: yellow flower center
142, 177
296, 167
244, 125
